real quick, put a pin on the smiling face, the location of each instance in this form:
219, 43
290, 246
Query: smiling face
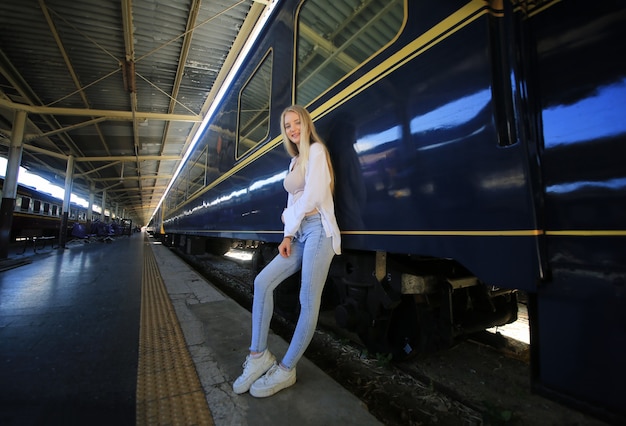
292, 127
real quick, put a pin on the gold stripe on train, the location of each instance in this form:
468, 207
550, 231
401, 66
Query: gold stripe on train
457, 233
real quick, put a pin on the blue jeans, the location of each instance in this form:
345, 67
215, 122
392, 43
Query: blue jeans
312, 251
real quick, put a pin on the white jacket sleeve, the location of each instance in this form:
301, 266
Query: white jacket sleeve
316, 190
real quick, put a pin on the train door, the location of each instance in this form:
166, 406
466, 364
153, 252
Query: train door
580, 309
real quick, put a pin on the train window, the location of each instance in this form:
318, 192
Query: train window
196, 173
178, 193
254, 107
46, 208
24, 204
36, 206
55, 210
336, 36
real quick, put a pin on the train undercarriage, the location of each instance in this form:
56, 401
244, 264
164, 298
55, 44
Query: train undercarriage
398, 305
401, 305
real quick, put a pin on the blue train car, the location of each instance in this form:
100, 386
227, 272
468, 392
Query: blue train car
479, 150
38, 214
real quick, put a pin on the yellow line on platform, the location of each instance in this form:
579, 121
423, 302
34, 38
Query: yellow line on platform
168, 388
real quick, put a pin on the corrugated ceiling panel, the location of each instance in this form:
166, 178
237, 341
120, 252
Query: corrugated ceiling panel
91, 33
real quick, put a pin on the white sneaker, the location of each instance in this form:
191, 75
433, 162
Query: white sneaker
253, 368
276, 379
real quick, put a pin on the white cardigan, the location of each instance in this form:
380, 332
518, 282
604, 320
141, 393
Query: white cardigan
316, 195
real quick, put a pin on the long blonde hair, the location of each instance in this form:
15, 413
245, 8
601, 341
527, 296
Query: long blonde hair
308, 136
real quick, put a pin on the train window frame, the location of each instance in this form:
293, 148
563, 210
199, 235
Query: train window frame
239, 153
196, 180
298, 90
179, 192
24, 200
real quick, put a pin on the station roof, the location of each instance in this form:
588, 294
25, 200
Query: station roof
120, 86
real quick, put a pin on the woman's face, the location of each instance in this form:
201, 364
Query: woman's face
292, 127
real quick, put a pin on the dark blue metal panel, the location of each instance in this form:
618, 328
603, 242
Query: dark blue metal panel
582, 309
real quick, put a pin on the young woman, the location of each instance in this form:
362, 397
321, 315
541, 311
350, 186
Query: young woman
311, 239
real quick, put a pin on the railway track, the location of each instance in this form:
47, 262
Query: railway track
484, 380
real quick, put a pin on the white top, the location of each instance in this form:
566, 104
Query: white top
316, 195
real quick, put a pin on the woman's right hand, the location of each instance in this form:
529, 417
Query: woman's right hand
285, 247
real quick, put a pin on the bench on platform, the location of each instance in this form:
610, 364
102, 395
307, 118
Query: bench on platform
33, 241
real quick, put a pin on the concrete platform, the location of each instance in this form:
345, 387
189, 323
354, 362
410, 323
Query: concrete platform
69, 331
70, 335
217, 331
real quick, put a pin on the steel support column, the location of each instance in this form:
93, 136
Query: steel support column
104, 202
69, 174
9, 189
92, 194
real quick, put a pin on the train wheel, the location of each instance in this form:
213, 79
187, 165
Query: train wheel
218, 246
263, 254
394, 333
403, 334
374, 337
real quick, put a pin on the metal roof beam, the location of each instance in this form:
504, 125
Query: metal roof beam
70, 68
145, 189
65, 129
109, 114
129, 158
132, 178
118, 159
129, 73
